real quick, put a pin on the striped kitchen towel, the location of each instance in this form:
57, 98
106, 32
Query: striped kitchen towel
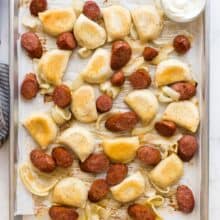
4, 102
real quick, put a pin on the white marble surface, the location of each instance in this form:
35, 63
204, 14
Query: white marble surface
214, 111
214, 116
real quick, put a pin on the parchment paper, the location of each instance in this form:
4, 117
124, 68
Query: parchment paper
24, 201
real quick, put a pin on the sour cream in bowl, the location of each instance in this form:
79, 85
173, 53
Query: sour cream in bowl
183, 10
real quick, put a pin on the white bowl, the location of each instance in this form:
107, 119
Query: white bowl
188, 16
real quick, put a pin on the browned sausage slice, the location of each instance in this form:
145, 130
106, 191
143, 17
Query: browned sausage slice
187, 147
185, 89
140, 79
121, 121
121, 54
29, 89
91, 10
63, 213
185, 199
148, 155
95, 163
140, 212
42, 161
62, 96
118, 78
165, 128
66, 41
37, 6
149, 53
98, 190
104, 103
181, 44
116, 173
31, 43
30, 86
62, 157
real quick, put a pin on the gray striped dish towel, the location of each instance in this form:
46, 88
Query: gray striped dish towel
4, 102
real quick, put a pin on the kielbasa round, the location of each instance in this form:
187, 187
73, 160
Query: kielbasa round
118, 78
140, 212
185, 199
31, 43
91, 10
66, 41
149, 53
185, 89
121, 121
121, 54
104, 103
62, 96
98, 190
165, 128
181, 44
30, 86
42, 161
149, 155
63, 213
95, 163
140, 79
187, 147
37, 6
62, 157
116, 173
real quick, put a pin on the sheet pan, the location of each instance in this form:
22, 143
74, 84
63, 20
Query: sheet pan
204, 109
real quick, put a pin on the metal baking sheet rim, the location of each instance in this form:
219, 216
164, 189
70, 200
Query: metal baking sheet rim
13, 27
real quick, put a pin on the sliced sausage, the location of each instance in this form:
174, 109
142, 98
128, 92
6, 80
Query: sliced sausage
104, 103
62, 213
185, 199
98, 190
165, 128
118, 78
66, 41
91, 10
181, 44
30, 86
62, 96
62, 157
185, 89
149, 53
31, 43
116, 173
42, 161
121, 121
149, 155
187, 147
95, 163
140, 79
37, 6
140, 212
121, 54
